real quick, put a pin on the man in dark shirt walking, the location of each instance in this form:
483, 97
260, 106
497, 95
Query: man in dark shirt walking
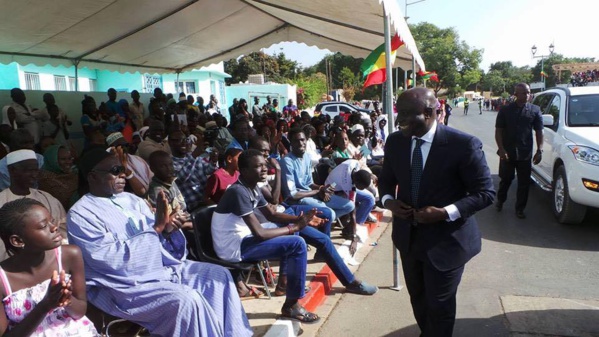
513, 134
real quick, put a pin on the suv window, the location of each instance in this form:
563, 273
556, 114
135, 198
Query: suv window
543, 101
345, 109
554, 110
583, 110
331, 108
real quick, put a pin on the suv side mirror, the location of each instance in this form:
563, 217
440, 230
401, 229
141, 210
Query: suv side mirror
548, 120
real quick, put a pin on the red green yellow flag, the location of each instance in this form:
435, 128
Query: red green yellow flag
429, 75
374, 67
544, 74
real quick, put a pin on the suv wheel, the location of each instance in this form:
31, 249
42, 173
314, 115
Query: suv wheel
566, 210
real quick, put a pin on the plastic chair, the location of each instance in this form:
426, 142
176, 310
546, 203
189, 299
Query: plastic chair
202, 222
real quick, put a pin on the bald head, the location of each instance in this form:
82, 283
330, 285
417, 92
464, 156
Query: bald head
416, 111
522, 93
421, 97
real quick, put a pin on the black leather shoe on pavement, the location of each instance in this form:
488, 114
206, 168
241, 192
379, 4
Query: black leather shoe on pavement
499, 206
520, 215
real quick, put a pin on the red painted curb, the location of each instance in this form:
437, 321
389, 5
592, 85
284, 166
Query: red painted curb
322, 283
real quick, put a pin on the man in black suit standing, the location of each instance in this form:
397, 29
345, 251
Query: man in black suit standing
513, 134
434, 179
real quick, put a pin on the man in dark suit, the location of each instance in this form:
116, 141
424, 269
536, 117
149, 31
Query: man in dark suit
434, 179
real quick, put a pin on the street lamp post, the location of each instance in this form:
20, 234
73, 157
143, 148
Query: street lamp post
533, 50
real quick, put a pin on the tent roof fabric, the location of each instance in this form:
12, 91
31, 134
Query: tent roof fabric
158, 36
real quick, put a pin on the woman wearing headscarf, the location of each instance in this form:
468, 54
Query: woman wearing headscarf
381, 134
58, 176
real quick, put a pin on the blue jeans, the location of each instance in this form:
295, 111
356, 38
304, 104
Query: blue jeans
364, 204
320, 238
339, 205
290, 250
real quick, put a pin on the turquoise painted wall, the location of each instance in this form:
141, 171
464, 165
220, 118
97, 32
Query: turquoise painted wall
9, 77
59, 71
121, 82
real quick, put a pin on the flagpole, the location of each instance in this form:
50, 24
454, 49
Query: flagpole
388, 104
390, 123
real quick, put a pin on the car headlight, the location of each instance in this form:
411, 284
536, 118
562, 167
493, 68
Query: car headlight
585, 154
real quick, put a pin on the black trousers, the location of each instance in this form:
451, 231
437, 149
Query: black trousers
432, 294
507, 171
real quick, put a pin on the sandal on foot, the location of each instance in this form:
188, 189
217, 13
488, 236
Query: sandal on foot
299, 313
252, 293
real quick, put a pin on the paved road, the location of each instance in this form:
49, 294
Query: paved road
551, 268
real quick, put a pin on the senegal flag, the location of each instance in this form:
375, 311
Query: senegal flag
373, 68
429, 75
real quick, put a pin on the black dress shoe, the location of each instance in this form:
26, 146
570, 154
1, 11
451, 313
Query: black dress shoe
520, 215
499, 206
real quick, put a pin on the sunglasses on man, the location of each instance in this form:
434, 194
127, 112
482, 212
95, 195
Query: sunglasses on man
115, 170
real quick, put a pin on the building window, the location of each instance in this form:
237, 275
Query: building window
223, 97
32, 81
60, 83
93, 84
188, 87
151, 82
72, 86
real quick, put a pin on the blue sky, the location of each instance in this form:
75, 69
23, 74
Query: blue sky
505, 29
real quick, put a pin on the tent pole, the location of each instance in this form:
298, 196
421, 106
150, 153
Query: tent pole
388, 104
76, 64
413, 71
391, 122
177, 82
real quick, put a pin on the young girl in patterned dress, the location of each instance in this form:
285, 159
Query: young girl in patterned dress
42, 283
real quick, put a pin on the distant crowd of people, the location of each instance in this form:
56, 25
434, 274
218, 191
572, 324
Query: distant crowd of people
581, 78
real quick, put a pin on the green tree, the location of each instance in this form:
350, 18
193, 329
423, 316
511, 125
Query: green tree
470, 76
336, 63
510, 74
347, 77
494, 82
275, 68
454, 61
287, 67
311, 88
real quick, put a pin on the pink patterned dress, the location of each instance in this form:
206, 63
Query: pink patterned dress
57, 323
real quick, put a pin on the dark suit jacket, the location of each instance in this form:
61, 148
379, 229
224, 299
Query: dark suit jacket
455, 172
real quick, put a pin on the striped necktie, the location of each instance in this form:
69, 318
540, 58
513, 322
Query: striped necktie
416, 171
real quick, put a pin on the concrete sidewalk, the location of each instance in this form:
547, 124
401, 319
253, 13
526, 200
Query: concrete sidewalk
325, 288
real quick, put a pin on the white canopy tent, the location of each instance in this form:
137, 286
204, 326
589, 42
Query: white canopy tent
159, 36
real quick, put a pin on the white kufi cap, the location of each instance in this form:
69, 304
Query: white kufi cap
19, 155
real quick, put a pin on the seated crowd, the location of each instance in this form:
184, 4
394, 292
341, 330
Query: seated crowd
114, 223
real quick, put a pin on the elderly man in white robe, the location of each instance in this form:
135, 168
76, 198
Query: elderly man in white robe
135, 261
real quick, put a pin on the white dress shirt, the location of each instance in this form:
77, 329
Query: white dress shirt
452, 211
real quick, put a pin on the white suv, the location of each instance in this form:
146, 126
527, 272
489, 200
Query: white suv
570, 164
